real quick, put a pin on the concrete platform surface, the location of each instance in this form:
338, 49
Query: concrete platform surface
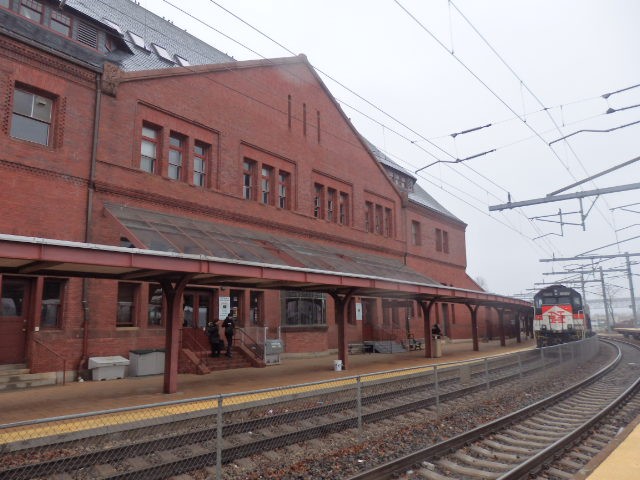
91, 396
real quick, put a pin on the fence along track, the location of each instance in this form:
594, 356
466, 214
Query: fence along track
151, 449
521, 443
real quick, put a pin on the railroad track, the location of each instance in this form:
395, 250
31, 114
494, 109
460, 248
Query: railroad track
550, 438
158, 451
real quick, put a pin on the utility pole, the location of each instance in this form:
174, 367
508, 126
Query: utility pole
633, 297
604, 299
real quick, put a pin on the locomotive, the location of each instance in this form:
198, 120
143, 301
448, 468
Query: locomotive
559, 316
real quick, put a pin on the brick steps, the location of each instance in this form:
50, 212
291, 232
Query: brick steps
15, 376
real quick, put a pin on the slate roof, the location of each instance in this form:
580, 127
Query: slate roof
127, 16
419, 194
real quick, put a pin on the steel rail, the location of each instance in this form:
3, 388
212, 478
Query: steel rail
390, 469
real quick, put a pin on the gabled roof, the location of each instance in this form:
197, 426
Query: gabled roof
124, 16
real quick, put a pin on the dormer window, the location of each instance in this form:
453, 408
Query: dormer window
183, 62
137, 40
162, 52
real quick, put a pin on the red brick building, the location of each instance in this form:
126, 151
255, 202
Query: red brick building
117, 128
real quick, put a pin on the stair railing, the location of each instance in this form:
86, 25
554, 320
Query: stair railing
57, 356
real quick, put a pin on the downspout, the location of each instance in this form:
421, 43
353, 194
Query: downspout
88, 222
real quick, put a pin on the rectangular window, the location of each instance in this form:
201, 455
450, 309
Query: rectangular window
368, 217
343, 218
283, 189
388, 223
31, 119
125, 316
31, 9
265, 184
248, 168
60, 23
200, 160
331, 205
176, 155
149, 148
154, 306
4, 3
378, 220
318, 200
445, 241
302, 309
438, 240
416, 237
256, 300
52, 293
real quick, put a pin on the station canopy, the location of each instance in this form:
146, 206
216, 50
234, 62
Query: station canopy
167, 247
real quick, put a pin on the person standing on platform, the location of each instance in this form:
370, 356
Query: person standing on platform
214, 338
435, 331
229, 329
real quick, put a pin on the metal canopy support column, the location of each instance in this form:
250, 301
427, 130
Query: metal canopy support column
340, 302
500, 311
426, 306
173, 295
474, 325
518, 317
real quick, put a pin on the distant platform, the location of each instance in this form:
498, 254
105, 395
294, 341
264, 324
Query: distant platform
629, 332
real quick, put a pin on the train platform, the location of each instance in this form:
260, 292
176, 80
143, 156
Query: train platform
93, 396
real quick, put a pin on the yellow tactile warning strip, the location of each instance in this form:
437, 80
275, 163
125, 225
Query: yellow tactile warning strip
61, 428
622, 460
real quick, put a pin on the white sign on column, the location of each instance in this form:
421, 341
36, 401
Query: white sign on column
224, 307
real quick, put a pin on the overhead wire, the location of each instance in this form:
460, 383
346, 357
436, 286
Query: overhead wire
282, 112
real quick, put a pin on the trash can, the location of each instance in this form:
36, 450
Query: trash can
107, 368
146, 362
272, 350
337, 365
436, 347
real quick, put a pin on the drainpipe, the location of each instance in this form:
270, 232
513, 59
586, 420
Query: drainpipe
88, 222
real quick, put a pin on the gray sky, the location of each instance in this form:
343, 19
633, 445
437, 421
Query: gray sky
560, 55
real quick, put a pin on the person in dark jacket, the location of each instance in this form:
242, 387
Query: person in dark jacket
435, 331
214, 338
229, 329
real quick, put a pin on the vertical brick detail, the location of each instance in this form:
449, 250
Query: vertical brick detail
60, 121
6, 85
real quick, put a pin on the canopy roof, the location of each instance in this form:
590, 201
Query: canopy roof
40, 256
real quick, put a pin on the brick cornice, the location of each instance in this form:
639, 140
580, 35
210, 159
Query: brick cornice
43, 172
21, 52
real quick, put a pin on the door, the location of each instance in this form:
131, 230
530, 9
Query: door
197, 308
13, 319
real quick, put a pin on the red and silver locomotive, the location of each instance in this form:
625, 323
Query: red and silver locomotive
559, 316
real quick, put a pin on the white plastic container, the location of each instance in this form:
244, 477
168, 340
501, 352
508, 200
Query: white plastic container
337, 365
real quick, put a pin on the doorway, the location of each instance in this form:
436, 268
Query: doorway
14, 311
197, 308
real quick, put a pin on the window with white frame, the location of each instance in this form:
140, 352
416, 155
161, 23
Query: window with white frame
176, 156
32, 116
149, 148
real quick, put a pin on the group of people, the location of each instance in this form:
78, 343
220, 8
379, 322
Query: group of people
213, 332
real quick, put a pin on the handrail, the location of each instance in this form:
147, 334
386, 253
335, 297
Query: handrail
253, 345
64, 360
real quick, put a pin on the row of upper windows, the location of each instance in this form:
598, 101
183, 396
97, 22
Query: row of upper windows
189, 160
259, 180
378, 219
330, 204
186, 160
441, 236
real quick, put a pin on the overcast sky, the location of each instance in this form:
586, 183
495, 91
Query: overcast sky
535, 70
